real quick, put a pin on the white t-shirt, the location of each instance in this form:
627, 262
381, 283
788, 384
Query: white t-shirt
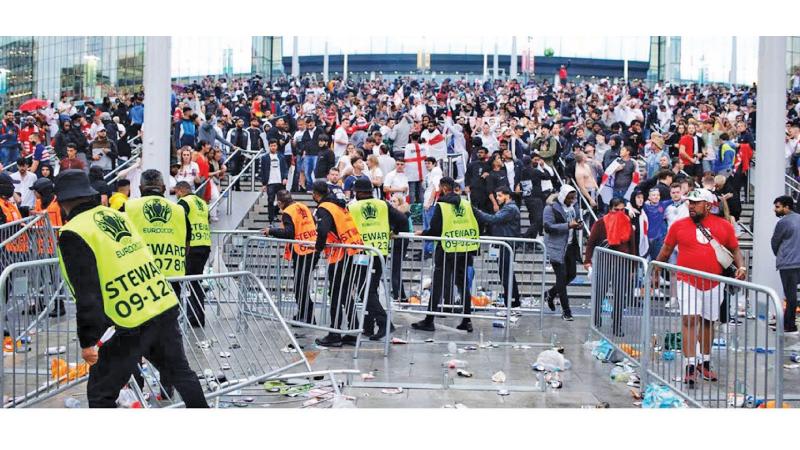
396, 180
340, 136
274, 169
510, 173
23, 187
432, 185
374, 174
386, 163
187, 173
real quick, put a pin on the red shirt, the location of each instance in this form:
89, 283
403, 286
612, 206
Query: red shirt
688, 142
699, 255
202, 164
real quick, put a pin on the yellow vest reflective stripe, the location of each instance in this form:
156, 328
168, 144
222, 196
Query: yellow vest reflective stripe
198, 219
459, 222
133, 289
163, 228
372, 220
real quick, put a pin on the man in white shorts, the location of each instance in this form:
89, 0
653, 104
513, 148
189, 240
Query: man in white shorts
700, 297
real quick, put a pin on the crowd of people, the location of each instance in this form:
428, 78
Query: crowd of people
629, 163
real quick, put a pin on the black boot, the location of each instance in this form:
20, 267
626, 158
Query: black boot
381, 333
330, 340
424, 325
466, 325
369, 328
550, 299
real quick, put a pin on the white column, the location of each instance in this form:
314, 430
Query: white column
325, 63
496, 65
734, 67
668, 62
344, 66
295, 57
512, 72
625, 69
485, 66
157, 114
770, 123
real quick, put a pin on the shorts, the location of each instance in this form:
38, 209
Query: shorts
694, 302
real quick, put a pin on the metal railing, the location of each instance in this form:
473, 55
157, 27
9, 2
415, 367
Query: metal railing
706, 337
743, 350
314, 293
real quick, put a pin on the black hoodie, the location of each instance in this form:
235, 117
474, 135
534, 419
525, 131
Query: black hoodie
325, 223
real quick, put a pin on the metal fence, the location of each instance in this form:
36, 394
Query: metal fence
735, 340
455, 284
44, 357
311, 292
618, 297
28, 239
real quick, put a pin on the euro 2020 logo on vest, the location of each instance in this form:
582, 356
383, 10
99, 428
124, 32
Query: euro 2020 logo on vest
369, 212
200, 205
112, 225
458, 210
156, 210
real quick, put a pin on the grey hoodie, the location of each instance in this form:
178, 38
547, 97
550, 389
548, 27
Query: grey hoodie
207, 133
786, 242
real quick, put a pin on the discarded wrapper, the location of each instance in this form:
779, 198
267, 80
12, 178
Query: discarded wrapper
429, 340
791, 366
288, 349
499, 377
392, 391
204, 345
224, 354
367, 376
398, 341
503, 392
56, 350
470, 347
464, 373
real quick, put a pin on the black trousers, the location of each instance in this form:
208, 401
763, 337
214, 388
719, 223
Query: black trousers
272, 209
195, 263
450, 271
341, 289
235, 167
790, 278
507, 272
535, 207
565, 273
398, 253
375, 312
161, 340
303, 269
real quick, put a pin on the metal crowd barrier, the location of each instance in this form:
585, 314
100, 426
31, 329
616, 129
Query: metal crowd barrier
744, 351
45, 356
332, 297
243, 343
618, 297
28, 239
462, 274
227, 249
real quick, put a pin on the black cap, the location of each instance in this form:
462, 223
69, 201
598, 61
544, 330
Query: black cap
503, 190
6, 185
362, 185
73, 183
43, 186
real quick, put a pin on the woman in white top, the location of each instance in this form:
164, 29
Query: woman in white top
375, 175
344, 165
189, 170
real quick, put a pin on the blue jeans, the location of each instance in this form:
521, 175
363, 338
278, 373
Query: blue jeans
427, 215
655, 247
619, 193
309, 163
9, 154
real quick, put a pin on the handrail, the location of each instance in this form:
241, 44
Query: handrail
53, 158
135, 156
791, 184
204, 183
232, 182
